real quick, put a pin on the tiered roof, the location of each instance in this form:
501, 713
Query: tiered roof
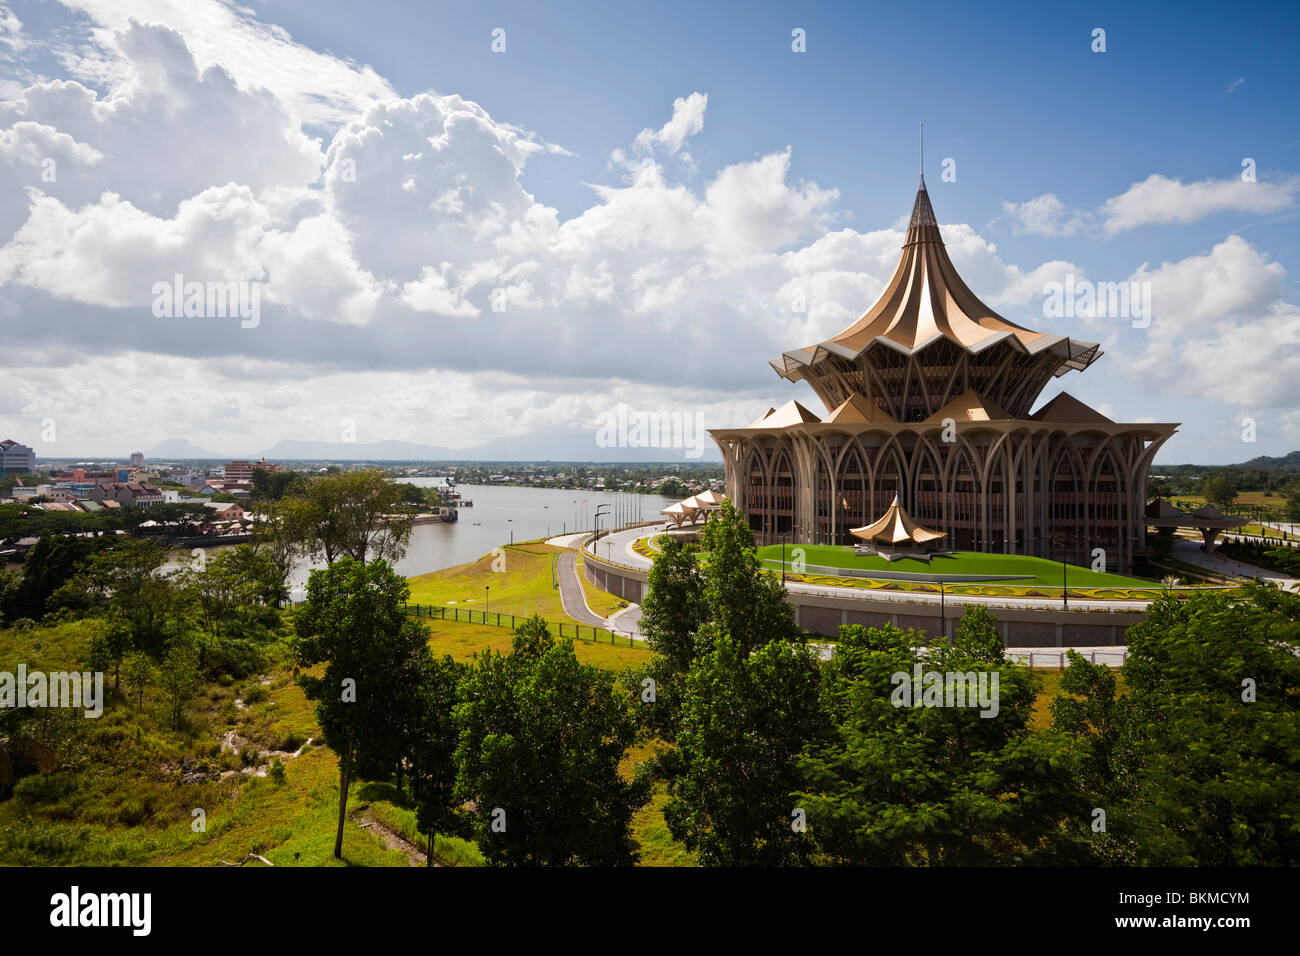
926, 301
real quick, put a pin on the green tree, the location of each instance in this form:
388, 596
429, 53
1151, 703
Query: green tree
901, 784
368, 697
179, 675
1100, 728
232, 587
432, 752
745, 719
672, 613
540, 741
140, 673
273, 485
142, 607
1219, 491
1214, 720
1291, 492
356, 514
745, 604
50, 564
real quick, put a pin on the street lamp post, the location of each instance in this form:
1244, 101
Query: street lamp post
1065, 584
486, 604
595, 521
1065, 576
943, 616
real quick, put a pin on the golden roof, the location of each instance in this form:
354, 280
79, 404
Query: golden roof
970, 406
791, 413
859, 410
895, 527
926, 301
1066, 408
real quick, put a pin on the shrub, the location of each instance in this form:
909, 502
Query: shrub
232, 658
277, 771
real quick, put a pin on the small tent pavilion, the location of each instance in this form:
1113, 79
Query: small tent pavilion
694, 509
896, 535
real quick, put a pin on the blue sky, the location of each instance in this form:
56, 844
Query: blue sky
664, 287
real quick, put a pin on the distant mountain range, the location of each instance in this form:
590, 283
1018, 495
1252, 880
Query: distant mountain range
556, 443
1289, 460
181, 448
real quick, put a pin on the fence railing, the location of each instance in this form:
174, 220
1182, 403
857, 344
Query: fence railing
581, 632
1112, 658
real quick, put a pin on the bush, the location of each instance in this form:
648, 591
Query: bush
233, 657
134, 810
45, 788
277, 771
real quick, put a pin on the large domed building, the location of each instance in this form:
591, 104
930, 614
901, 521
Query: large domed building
930, 396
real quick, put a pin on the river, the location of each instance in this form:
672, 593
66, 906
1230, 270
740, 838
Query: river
499, 512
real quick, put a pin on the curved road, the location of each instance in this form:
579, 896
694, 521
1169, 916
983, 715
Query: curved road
617, 546
627, 621
571, 596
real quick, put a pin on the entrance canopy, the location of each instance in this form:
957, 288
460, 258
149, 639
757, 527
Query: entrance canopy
1208, 520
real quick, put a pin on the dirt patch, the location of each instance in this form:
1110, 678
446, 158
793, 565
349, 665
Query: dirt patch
392, 839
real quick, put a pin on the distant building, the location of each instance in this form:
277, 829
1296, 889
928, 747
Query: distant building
21, 493
137, 459
16, 458
127, 493
225, 510
243, 470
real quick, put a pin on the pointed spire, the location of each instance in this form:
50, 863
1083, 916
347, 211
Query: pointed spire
923, 226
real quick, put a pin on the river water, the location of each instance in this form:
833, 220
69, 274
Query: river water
500, 512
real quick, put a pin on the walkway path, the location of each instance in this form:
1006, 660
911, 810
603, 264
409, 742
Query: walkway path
1190, 552
571, 595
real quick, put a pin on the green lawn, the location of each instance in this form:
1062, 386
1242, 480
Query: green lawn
463, 640
1042, 573
518, 581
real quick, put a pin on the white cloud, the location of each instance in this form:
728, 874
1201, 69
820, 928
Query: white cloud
1044, 215
318, 88
110, 253
1221, 329
431, 293
384, 245
687, 120
754, 208
165, 133
11, 32
1158, 199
